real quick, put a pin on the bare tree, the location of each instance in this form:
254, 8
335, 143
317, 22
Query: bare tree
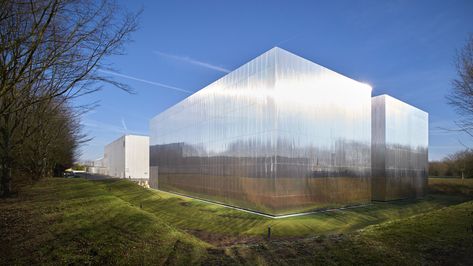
51, 49
54, 142
461, 96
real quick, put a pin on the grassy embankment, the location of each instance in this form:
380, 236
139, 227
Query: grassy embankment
438, 237
202, 218
116, 221
63, 221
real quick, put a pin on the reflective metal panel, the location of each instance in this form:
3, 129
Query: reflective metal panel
278, 135
399, 149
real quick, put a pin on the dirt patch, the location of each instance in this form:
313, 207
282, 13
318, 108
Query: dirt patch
20, 226
207, 210
185, 203
224, 240
237, 216
280, 250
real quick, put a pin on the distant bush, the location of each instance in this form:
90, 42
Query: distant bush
79, 167
459, 164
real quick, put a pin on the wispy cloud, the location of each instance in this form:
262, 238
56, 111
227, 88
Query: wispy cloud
145, 81
193, 61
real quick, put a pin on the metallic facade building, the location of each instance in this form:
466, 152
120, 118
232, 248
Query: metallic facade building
399, 149
278, 135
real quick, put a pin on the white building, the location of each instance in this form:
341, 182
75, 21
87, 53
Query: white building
97, 167
127, 157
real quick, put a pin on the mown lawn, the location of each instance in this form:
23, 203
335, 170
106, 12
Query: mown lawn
440, 237
201, 217
74, 221
77, 221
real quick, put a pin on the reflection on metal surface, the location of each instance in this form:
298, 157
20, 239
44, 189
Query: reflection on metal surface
399, 149
278, 135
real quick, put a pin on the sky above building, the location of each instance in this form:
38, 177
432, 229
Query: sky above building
402, 48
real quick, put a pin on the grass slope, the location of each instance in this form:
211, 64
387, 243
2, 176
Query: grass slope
76, 221
64, 221
201, 217
439, 237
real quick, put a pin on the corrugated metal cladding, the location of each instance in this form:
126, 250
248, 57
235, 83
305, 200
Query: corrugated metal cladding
278, 135
282, 135
399, 149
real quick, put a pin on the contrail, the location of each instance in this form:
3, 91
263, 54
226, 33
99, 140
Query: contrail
124, 125
193, 61
146, 81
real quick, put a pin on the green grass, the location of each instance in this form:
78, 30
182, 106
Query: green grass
440, 237
451, 186
64, 221
204, 217
76, 221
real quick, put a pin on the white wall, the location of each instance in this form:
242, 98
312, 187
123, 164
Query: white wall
97, 170
98, 163
114, 158
137, 156
127, 157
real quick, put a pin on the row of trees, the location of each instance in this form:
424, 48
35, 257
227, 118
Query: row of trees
459, 164
461, 95
50, 51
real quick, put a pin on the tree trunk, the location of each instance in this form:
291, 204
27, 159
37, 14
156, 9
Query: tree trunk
6, 158
6, 177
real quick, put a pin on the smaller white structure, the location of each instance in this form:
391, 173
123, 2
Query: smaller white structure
97, 167
127, 157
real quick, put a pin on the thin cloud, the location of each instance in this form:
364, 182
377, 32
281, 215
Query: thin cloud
193, 61
145, 81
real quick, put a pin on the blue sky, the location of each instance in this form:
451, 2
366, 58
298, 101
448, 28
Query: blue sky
402, 48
